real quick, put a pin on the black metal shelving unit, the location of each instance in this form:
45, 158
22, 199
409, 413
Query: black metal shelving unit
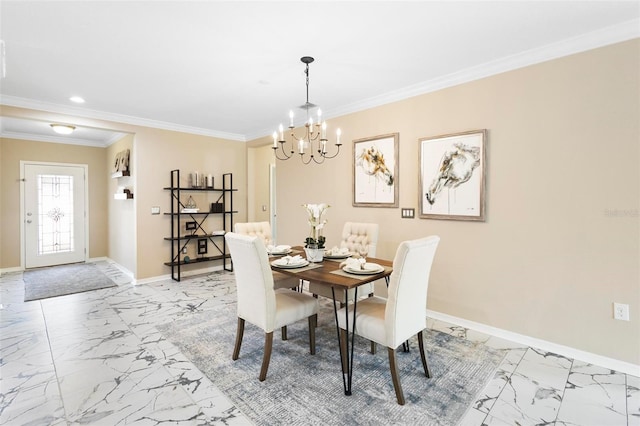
180, 241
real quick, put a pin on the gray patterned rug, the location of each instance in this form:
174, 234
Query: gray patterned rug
302, 389
42, 283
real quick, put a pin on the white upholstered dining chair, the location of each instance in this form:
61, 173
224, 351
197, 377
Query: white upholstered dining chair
259, 303
354, 236
262, 230
392, 321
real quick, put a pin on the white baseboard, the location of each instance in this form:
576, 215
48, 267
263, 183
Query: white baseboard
10, 270
122, 269
183, 274
591, 358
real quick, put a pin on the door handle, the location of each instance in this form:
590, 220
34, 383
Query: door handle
28, 220
29, 214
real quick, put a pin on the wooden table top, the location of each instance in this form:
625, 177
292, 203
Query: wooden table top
329, 272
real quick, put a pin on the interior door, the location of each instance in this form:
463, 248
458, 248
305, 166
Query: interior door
54, 214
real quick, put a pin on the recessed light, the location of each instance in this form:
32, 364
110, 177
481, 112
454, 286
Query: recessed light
76, 99
63, 129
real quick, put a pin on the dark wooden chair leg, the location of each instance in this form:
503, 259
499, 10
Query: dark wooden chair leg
283, 331
423, 356
268, 345
373, 347
239, 334
313, 322
343, 349
394, 376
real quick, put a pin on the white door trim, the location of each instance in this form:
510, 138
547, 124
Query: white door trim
23, 163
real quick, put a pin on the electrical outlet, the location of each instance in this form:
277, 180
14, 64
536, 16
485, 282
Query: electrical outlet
184, 250
620, 311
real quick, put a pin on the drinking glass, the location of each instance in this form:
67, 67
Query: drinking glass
363, 251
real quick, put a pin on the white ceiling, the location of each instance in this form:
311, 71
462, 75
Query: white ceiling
232, 68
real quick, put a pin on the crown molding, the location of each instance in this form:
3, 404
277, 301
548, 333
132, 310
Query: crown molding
118, 118
606, 36
52, 139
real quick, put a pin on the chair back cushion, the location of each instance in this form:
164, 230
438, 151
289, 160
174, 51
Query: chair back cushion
259, 229
254, 280
356, 234
406, 310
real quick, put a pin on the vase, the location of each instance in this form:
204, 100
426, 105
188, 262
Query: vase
314, 255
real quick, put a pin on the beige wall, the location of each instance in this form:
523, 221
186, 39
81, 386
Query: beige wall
561, 238
158, 152
14, 151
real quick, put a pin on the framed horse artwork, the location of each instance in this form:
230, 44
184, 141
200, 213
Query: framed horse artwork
375, 171
452, 176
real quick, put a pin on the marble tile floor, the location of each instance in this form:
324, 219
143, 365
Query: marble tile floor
97, 358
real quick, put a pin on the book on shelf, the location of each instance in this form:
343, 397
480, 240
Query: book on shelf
221, 232
185, 210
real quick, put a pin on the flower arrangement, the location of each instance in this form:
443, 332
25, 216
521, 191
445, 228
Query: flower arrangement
316, 222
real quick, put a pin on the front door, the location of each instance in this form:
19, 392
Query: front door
54, 214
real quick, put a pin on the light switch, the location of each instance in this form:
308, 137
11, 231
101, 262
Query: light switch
155, 210
407, 213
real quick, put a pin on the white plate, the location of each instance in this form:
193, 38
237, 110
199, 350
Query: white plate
337, 256
279, 253
368, 271
278, 264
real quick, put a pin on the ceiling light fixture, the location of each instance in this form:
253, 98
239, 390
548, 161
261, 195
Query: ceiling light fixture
63, 129
76, 99
315, 138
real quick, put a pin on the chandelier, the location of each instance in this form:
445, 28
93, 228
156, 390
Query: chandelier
312, 145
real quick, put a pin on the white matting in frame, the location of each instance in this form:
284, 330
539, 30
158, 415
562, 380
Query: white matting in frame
452, 176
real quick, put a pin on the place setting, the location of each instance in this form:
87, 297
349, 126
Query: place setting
336, 253
290, 262
359, 265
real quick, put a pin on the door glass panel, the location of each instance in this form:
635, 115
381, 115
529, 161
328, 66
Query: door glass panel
55, 211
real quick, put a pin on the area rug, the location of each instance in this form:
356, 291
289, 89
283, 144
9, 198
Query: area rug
42, 283
304, 389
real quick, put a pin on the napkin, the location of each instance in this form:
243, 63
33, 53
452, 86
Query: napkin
361, 264
291, 260
277, 249
352, 263
336, 251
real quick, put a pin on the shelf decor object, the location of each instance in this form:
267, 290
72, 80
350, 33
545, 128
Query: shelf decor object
314, 139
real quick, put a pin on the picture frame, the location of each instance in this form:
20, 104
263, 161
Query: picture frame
376, 171
452, 171
191, 226
202, 246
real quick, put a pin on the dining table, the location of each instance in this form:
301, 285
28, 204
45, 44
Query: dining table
331, 272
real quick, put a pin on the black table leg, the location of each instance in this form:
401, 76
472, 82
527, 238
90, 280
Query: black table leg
348, 353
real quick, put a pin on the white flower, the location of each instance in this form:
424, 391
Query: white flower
316, 222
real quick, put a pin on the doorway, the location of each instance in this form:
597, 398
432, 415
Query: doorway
54, 217
272, 202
